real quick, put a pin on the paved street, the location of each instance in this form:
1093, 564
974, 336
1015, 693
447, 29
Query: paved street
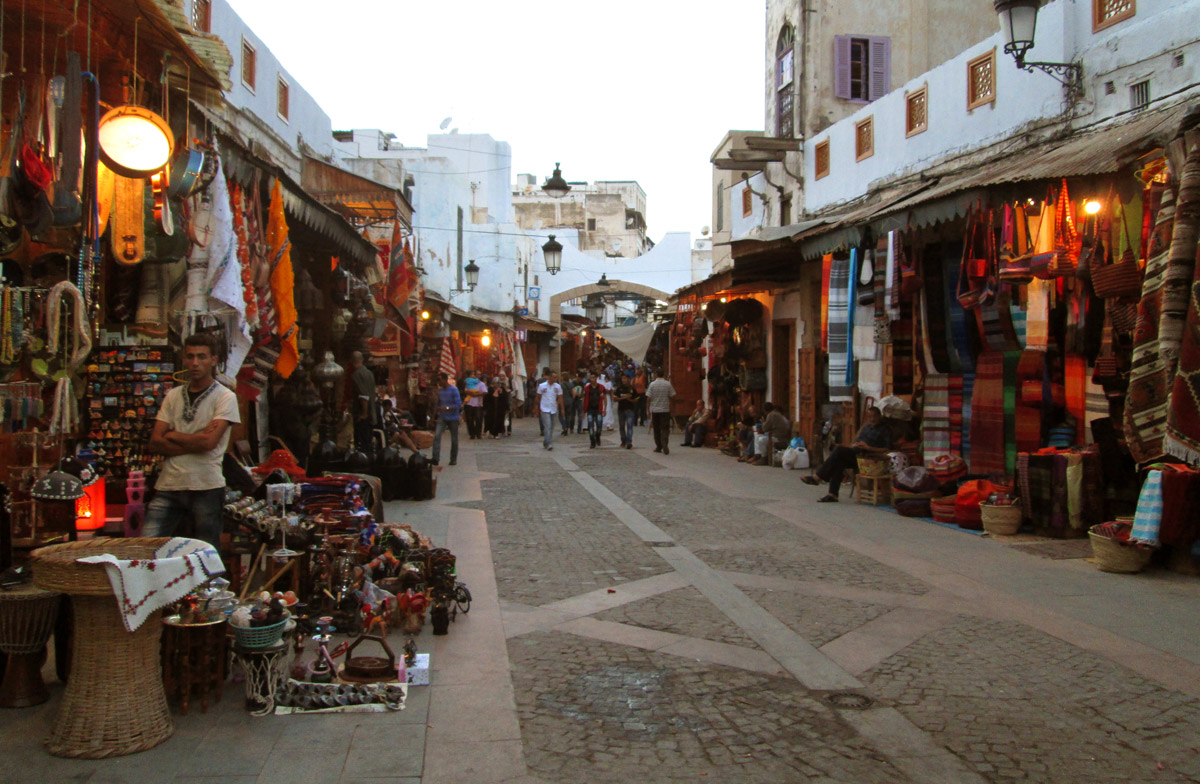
685, 618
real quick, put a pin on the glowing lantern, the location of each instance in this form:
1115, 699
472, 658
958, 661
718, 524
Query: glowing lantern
134, 142
90, 508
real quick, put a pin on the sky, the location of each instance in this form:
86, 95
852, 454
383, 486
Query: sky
615, 90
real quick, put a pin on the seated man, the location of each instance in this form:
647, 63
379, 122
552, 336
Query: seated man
697, 426
397, 427
745, 433
777, 426
875, 438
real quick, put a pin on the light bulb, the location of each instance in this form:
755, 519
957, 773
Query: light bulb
1091, 207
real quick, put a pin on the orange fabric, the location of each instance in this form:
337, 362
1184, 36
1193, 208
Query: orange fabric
283, 284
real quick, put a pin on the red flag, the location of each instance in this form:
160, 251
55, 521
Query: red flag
401, 278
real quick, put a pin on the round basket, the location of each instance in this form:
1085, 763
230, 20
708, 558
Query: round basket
1001, 520
55, 568
943, 508
872, 466
1115, 556
904, 495
258, 636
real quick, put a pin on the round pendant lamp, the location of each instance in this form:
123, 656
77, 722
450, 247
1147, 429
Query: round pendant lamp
135, 142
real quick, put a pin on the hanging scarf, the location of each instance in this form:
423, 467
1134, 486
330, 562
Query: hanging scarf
282, 283
839, 330
81, 334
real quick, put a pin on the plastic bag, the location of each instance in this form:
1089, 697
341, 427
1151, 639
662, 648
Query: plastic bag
762, 442
794, 457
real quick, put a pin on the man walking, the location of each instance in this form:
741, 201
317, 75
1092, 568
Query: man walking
660, 393
364, 403
476, 389
594, 402
550, 401
192, 433
449, 414
625, 398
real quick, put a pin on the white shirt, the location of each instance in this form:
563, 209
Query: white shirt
549, 393
199, 470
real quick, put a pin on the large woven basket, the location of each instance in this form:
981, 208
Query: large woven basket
943, 508
55, 568
1001, 520
114, 702
1113, 555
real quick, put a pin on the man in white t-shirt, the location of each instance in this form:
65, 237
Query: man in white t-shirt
550, 401
192, 431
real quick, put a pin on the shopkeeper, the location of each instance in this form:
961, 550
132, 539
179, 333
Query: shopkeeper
192, 433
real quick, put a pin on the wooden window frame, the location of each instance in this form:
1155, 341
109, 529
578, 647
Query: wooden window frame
876, 77
821, 162
252, 59
987, 57
202, 15
1098, 23
861, 129
283, 97
909, 128
747, 200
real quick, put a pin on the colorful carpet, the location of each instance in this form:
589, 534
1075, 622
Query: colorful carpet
987, 415
839, 330
936, 423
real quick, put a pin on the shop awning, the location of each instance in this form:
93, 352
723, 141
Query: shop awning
353, 196
531, 324
633, 341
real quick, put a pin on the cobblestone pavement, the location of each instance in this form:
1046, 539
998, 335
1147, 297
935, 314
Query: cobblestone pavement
957, 698
552, 540
1019, 705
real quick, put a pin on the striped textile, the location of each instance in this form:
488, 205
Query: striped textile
935, 428
851, 313
1037, 314
895, 249
902, 350
1148, 519
1075, 381
1146, 403
1012, 360
963, 342
838, 329
955, 396
936, 269
987, 415
1023, 489
447, 362
1031, 366
968, 392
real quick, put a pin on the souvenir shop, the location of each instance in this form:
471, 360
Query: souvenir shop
162, 223
1057, 402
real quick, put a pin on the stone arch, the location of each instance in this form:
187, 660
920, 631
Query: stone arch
613, 287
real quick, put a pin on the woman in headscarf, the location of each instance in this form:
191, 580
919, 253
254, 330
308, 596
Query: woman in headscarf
496, 406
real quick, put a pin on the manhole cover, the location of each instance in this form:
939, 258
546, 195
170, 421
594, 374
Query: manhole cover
850, 700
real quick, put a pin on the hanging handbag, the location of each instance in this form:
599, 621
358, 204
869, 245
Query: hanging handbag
1092, 247
1066, 237
1122, 278
1013, 261
910, 275
971, 296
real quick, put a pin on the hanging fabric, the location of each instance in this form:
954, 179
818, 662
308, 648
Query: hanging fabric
838, 329
282, 283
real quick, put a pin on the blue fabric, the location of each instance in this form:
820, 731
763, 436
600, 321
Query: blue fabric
1148, 519
448, 398
853, 301
626, 424
547, 427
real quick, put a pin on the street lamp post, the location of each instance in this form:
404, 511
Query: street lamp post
555, 186
472, 273
1018, 26
552, 251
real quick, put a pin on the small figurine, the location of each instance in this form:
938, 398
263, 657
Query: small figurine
410, 652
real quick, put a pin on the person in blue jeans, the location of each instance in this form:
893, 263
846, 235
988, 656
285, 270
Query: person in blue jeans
575, 420
192, 432
595, 400
626, 410
449, 414
550, 402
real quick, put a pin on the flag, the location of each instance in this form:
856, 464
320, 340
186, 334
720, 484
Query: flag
401, 278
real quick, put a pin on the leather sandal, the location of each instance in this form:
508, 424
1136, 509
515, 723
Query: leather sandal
828, 498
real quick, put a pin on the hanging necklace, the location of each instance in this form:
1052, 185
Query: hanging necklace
190, 404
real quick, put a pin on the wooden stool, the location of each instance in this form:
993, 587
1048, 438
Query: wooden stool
874, 490
194, 658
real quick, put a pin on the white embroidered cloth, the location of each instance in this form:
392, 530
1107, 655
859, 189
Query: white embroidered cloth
145, 585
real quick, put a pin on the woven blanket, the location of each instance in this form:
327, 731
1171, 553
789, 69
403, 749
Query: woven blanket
839, 330
1012, 360
852, 311
968, 392
1031, 367
935, 269
1075, 381
987, 415
146, 585
1181, 500
1183, 418
1037, 314
935, 426
1181, 258
1148, 519
1097, 406
955, 395
1023, 488
891, 300
1145, 418
962, 324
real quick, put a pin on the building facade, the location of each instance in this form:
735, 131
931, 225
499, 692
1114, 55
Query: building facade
610, 215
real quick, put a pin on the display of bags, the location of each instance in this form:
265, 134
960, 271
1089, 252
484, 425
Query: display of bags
976, 283
1122, 278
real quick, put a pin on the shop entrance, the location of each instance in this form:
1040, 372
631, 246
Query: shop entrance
783, 386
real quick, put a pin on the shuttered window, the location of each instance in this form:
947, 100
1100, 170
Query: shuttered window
785, 66
981, 80
202, 15
916, 111
282, 98
862, 67
864, 138
747, 201
1106, 13
249, 65
821, 160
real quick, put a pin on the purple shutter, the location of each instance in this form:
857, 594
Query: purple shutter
880, 79
841, 66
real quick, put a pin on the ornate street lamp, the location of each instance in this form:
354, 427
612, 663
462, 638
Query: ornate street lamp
472, 270
1018, 26
552, 251
603, 280
556, 187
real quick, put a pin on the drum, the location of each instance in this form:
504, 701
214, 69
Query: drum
27, 617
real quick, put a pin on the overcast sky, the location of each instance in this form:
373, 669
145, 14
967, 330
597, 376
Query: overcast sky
615, 89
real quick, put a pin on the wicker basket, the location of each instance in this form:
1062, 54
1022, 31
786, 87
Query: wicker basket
258, 636
1113, 555
873, 466
55, 568
1001, 520
905, 495
943, 508
114, 702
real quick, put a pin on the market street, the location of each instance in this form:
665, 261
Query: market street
683, 617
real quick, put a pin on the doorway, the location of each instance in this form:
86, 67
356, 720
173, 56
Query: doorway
783, 381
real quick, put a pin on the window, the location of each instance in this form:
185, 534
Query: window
864, 138
862, 67
1106, 13
981, 80
747, 200
249, 64
821, 160
721, 207
1139, 95
785, 210
281, 98
591, 224
916, 112
785, 67
202, 15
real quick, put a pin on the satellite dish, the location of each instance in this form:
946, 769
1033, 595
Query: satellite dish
704, 232
445, 123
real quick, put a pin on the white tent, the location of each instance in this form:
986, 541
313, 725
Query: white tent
633, 341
